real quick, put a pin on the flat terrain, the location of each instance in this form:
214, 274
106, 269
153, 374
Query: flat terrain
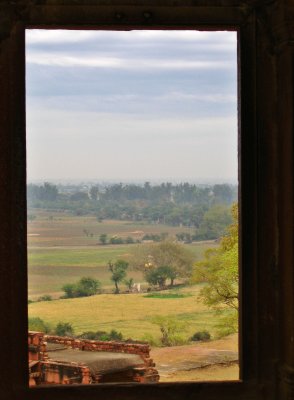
131, 314
213, 360
62, 248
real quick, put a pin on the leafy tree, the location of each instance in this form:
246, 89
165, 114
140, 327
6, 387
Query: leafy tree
116, 240
118, 271
46, 192
69, 289
129, 282
103, 238
94, 192
158, 276
86, 286
79, 196
64, 329
172, 260
219, 270
215, 222
223, 193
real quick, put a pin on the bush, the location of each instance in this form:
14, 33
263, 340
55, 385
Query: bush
46, 297
228, 324
201, 336
151, 340
102, 335
86, 286
64, 329
90, 335
170, 329
115, 335
37, 324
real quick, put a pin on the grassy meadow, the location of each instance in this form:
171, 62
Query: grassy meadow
131, 314
62, 248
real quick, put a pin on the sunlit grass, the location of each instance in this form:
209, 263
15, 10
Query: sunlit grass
131, 314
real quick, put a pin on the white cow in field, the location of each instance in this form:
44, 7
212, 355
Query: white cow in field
136, 287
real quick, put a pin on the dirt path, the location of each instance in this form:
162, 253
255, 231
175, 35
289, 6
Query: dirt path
215, 360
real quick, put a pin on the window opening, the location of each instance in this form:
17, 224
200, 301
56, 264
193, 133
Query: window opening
132, 217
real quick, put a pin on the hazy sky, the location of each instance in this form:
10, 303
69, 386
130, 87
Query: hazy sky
138, 105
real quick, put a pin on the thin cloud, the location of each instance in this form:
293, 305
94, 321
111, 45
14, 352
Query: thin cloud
47, 36
58, 60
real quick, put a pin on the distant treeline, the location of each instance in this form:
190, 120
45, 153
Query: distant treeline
206, 208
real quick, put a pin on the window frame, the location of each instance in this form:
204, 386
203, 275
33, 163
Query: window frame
256, 356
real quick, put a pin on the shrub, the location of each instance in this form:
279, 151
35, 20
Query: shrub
46, 297
37, 324
201, 336
152, 341
88, 335
102, 335
170, 329
228, 324
86, 286
115, 335
64, 329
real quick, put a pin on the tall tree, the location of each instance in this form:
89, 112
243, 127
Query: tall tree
118, 271
170, 259
219, 270
94, 192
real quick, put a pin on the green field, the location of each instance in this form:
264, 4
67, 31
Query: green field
60, 252
62, 248
130, 314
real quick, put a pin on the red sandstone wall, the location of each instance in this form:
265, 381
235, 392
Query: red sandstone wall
140, 349
64, 373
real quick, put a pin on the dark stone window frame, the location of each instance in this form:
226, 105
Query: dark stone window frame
266, 34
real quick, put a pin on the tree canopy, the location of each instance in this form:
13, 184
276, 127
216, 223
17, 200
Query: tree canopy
118, 272
219, 270
162, 261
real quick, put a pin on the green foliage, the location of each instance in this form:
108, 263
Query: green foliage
46, 192
170, 329
162, 261
153, 237
200, 336
118, 271
158, 276
86, 286
102, 335
94, 191
37, 324
64, 329
46, 297
167, 295
227, 324
116, 240
166, 203
219, 271
151, 340
129, 282
103, 238
214, 223
129, 240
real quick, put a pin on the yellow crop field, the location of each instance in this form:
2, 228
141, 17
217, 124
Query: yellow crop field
130, 314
